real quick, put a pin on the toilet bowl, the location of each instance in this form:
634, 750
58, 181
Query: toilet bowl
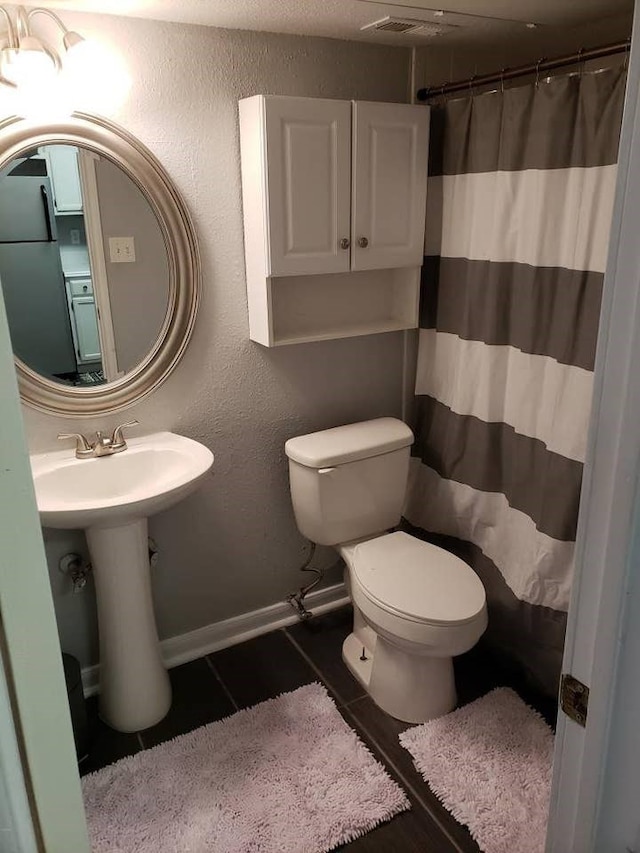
416, 606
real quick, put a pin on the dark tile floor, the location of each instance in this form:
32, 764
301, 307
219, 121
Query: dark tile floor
219, 684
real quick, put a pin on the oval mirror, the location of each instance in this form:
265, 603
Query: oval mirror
98, 265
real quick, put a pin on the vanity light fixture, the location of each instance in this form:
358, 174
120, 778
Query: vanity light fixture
27, 59
40, 78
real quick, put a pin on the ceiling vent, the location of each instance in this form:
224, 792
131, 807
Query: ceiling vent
402, 26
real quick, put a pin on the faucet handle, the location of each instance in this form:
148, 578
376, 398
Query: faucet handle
117, 439
83, 448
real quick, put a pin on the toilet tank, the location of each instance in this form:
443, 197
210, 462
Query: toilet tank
349, 482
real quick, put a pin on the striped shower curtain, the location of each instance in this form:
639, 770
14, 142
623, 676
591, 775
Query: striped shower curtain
521, 193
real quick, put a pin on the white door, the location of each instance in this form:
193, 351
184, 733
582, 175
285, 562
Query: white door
31, 654
17, 833
390, 143
594, 803
65, 178
308, 163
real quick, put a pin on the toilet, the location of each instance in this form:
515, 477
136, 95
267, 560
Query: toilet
415, 606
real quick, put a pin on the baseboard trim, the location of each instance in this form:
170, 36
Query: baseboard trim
230, 632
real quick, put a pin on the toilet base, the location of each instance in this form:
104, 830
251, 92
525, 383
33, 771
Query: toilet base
411, 688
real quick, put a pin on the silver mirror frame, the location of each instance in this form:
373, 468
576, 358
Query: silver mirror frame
113, 142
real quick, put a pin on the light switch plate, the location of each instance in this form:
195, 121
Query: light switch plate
122, 250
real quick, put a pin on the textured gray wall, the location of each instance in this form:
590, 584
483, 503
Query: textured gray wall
233, 546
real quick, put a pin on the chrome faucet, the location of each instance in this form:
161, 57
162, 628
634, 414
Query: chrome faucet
103, 445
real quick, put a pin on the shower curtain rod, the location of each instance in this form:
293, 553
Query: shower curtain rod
523, 70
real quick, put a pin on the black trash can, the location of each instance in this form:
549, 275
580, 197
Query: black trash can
77, 706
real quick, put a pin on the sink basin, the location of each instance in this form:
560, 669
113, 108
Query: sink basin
152, 474
111, 497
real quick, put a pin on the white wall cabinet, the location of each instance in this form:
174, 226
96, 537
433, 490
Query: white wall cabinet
308, 171
389, 180
65, 178
334, 196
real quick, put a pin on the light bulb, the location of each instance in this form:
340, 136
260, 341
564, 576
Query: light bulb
45, 102
96, 76
28, 65
8, 101
39, 93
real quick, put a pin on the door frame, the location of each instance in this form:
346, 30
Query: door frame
97, 258
595, 627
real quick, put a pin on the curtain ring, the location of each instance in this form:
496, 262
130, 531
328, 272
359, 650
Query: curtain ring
538, 64
581, 61
502, 70
626, 55
471, 79
442, 94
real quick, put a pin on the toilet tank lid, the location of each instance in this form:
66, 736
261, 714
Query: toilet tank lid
349, 443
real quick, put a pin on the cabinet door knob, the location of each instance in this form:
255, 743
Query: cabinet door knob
363, 242
345, 243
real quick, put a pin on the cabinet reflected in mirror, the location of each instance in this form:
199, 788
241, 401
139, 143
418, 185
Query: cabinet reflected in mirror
83, 266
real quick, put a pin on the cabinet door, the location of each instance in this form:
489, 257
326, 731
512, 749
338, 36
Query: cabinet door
65, 178
86, 327
390, 143
308, 153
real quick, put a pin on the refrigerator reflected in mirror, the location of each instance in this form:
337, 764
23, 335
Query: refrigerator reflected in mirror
48, 295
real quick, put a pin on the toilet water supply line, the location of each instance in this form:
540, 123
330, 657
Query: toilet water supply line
296, 599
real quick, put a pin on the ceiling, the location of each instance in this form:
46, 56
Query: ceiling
472, 21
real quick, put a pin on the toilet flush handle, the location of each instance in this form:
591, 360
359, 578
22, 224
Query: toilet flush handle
326, 470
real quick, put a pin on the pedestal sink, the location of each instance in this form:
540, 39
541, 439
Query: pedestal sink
111, 498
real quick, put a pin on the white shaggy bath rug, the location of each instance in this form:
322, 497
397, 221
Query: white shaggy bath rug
287, 775
489, 763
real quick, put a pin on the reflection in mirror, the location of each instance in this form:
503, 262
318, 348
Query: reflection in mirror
83, 265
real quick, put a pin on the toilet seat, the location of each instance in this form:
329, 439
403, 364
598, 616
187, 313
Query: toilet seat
417, 581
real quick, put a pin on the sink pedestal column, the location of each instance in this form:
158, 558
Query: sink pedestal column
135, 692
